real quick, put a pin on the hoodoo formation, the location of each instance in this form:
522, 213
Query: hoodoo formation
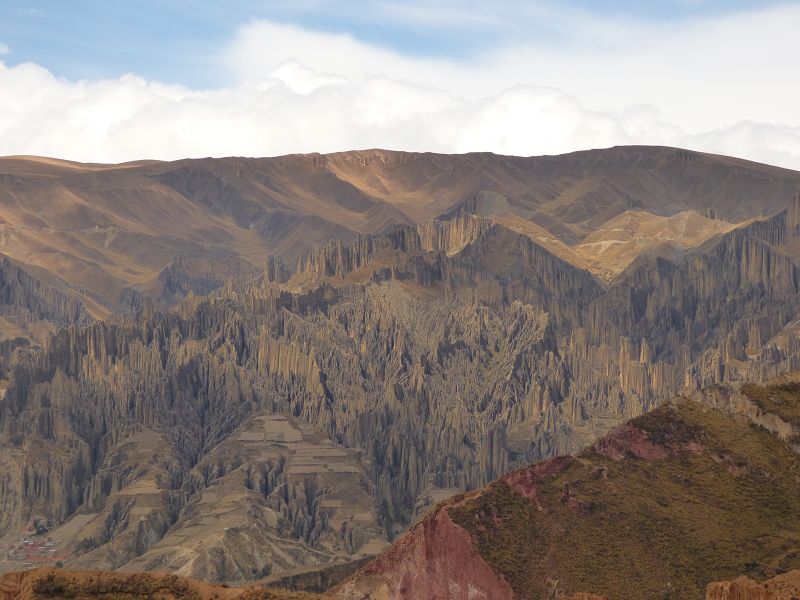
508, 359
387, 375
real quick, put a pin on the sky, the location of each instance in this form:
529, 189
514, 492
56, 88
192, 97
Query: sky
107, 81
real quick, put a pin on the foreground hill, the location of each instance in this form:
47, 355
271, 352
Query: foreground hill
696, 490
110, 234
58, 584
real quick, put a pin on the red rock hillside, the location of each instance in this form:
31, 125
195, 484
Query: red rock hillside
692, 492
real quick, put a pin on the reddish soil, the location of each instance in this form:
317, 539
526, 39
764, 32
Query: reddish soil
628, 440
434, 560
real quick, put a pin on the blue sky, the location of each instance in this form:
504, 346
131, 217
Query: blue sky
122, 80
176, 40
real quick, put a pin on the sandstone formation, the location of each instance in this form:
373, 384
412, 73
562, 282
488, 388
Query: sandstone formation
28, 299
428, 361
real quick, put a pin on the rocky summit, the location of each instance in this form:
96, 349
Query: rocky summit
250, 370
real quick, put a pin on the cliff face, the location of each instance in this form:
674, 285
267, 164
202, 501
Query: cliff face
26, 299
655, 509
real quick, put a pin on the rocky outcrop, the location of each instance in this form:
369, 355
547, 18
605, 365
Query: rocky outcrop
782, 587
199, 276
317, 580
418, 567
746, 401
24, 299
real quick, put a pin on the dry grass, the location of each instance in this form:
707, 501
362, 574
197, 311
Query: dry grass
58, 584
654, 528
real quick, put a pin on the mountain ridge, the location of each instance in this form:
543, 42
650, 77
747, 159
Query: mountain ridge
110, 229
638, 514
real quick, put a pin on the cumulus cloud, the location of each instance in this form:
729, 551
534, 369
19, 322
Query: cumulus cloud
693, 85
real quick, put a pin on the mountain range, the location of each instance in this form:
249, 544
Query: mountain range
238, 369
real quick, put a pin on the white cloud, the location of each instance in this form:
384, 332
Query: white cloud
702, 74
705, 85
4, 49
262, 45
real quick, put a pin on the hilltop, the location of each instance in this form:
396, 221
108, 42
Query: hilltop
698, 489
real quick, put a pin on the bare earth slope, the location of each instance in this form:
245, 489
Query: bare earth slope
112, 232
614, 245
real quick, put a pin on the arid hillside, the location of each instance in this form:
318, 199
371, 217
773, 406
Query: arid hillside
698, 489
109, 234
665, 506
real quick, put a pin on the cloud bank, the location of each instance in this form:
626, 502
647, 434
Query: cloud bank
722, 85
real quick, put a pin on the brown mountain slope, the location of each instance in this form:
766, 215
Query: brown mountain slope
161, 228
570, 194
694, 491
282, 425
614, 245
